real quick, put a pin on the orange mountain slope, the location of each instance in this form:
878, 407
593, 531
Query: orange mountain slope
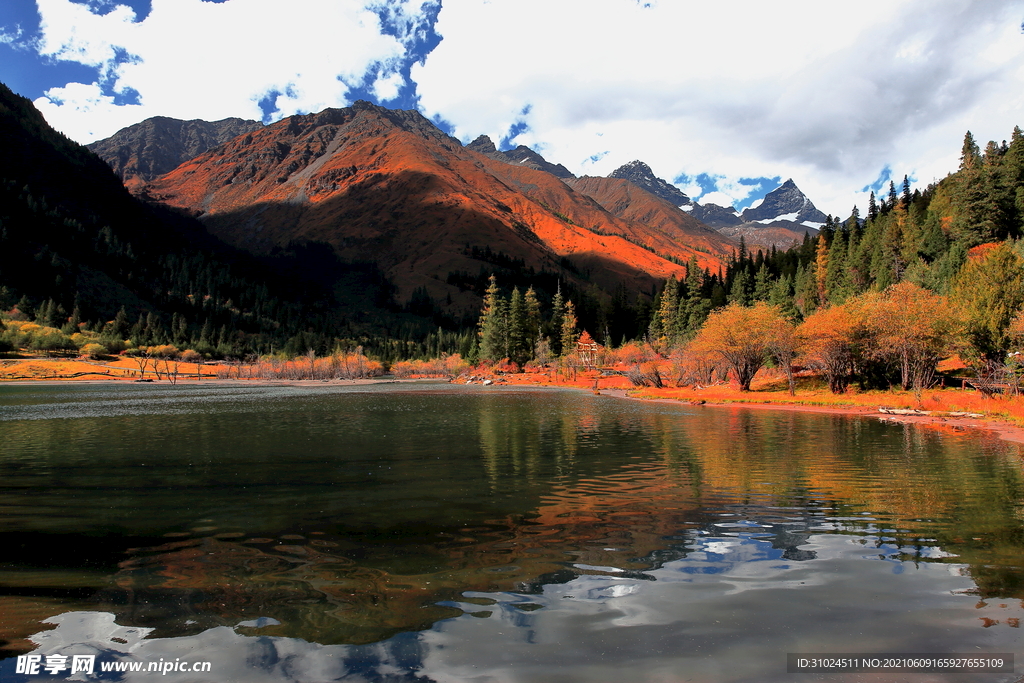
389, 187
664, 222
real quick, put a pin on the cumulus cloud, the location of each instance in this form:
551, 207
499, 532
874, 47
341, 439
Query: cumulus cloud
194, 59
828, 93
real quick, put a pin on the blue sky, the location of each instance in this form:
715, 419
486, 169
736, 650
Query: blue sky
724, 99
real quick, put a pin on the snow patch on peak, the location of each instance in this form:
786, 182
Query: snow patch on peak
783, 217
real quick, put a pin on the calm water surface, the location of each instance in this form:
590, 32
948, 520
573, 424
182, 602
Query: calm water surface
444, 533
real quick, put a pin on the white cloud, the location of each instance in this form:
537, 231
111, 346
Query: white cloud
721, 198
194, 59
13, 38
88, 113
387, 87
827, 93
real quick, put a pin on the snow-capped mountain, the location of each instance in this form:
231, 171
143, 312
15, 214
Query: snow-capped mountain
780, 218
785, 204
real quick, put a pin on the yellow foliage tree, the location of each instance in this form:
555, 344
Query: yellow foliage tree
746, 337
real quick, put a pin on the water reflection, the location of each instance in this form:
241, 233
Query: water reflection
447, 534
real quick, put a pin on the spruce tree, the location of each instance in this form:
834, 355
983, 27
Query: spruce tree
570, 334
836, 283
667, 313
491, 324
762, 284
970, 155
533, 319
555, 323
519, 349
821, 259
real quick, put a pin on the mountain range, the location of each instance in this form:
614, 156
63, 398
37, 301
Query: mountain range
781, 218
146, 151
389, 187
374, 204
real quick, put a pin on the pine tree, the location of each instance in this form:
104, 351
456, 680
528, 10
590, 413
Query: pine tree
781, 295
762, 284
491, 324
805, 290
821, 269
666, 315
555, 324
970, 155
570, 334
119, 329
519, 348
872, 207
533, 319
836, 287
741, 287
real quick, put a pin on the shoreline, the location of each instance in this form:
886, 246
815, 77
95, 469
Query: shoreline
1000, 428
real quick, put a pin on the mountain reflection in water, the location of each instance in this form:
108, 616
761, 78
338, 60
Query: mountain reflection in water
411, 532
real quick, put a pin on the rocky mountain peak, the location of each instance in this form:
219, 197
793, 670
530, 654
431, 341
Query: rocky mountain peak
155, 146
483, 145
520, 156
641, 175
785, 203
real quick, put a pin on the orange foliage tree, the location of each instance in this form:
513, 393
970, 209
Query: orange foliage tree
829, 341
695, 363
746, 337
912, 327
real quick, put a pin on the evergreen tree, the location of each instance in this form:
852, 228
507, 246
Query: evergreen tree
533, 320
821, 269
741, 289
491, 324
988, 294
570, 333
667, 313
555, 323
970, 155
119, 328
762, 284
519, 348
836, 286
781, 296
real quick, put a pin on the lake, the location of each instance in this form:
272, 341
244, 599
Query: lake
434, 532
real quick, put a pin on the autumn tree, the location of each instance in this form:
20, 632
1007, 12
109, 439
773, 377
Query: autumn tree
913, 328
745, 337
828, 340
988, 292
